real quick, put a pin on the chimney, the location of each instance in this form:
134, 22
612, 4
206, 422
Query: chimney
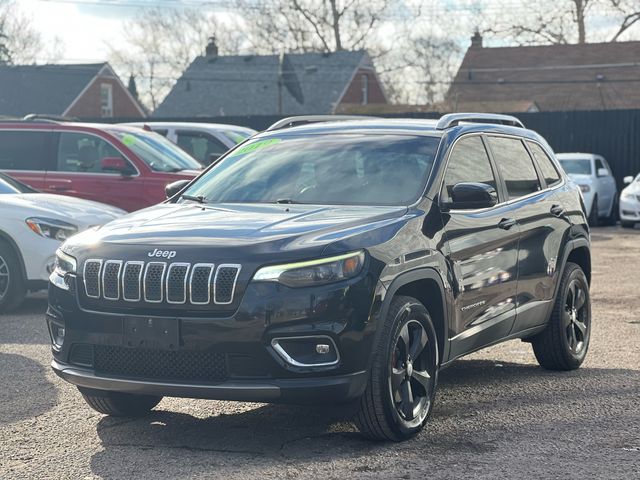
476, 40
212, 49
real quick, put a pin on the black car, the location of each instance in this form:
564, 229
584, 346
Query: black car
330, 262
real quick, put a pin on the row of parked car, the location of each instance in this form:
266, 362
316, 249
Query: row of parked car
61, 178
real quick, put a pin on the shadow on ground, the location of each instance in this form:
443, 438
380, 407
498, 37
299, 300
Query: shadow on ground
26, 324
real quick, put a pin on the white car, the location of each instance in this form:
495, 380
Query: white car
593, 174
203, 141
630, 202
32, 226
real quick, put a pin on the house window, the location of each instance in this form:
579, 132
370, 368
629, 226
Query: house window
106, 100
365, 89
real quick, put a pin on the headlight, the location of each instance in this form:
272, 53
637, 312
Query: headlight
65, 263
585, 188
626, 195
313, 272
51, 228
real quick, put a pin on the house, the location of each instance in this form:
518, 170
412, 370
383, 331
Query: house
593, 76
286, 84
78, 90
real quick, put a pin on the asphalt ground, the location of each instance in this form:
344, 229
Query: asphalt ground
497, 414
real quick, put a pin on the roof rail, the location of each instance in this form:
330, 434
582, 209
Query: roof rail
304, 119
453, 119
40, 117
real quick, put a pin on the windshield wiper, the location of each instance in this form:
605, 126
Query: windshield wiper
194, 198
287, 200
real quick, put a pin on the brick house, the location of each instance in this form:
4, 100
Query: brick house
288, 84
591, 76
78, 90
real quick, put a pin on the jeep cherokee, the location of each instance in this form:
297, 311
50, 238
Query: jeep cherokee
330, 262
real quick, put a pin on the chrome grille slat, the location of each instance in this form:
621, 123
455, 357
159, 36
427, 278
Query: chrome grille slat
111, 279
176, 283
91, 277
224, 283
161, 282
153, 281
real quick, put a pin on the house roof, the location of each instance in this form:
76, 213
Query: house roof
592, 76
45, 89
248, 85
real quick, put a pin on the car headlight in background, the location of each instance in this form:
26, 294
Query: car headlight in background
626, 195
585, 188
314, 272
51, 228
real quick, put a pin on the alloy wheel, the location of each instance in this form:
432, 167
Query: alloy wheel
576, 315
412, 375
5, 277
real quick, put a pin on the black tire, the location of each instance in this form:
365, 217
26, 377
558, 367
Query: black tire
564, 343
612, 218
381, 416
13, 286
593, 214
118, 404
628, 224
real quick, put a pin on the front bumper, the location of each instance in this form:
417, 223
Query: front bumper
320, 390
629, 210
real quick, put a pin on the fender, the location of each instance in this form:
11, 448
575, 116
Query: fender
14, 245
423, 273
570, 247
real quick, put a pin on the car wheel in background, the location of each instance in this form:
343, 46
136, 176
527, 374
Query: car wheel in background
564, 342
402, 381
12, 283
118, 404
593, 214
612, 218
628, 224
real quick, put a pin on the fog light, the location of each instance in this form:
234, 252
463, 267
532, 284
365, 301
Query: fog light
57, 333
307, 351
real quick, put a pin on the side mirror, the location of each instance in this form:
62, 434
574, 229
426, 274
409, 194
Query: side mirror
171, 189
603, 172
114, 164
627, 180
471, 196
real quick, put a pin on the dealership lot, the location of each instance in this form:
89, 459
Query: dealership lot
497, 413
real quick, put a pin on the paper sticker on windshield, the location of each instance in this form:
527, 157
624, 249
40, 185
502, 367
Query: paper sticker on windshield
128, 140
252, 147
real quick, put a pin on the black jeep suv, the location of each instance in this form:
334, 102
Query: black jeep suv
330, 262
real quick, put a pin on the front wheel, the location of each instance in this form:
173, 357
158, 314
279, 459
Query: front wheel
612, 218
12, 282
593, 214
403, 378
628, 224
563, 344
118, 404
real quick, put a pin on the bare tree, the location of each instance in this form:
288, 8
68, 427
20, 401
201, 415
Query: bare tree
628, 15
312, 25
20, 42
162, 42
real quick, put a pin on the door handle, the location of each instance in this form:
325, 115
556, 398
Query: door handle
557, 210
507, 223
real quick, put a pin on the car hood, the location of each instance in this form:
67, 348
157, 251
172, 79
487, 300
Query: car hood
78, 211
264, 228
634, 188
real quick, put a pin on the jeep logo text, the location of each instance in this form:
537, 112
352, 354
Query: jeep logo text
162, 253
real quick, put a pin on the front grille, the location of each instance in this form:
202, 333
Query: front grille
176, 365
160, 282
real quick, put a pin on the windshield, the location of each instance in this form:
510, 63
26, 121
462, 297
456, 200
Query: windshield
580, 166
11, 185
157, 152
327, 170
6, 187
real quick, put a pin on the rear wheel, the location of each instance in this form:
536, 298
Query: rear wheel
564, 343
118, 404
402, 381
12, 284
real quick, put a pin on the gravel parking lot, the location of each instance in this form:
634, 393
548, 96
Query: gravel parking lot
497, 415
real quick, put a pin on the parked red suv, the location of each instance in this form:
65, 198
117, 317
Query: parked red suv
115, 164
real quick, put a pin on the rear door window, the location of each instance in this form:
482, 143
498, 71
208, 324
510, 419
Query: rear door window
202, 146
24, 150
515, 165
548, 169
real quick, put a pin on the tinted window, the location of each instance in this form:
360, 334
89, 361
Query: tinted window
515, 165
468, 162
577, 166
83, 152
22, 150
200, 145
548, 169
322, 169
